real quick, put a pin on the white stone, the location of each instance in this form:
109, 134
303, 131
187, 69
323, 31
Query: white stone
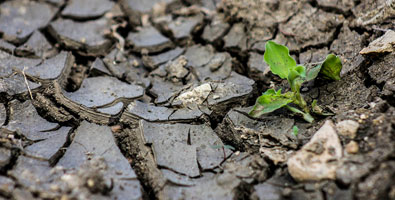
195, 96
319, 158
348, 128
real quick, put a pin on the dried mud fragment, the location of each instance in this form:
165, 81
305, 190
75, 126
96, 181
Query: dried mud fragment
7, 186
257, 68
19, 19
347, 47
150, 39
213, 33
5, 157
377, 184
236, 39
3, 114
104, 93
37, 46
98, 68
182, 29
86, 9
245, 133
138, 110
343, 6
85, 37
25, 120
383, 72
195, 140
370, 12
87, 145
7, 47
237, 171
152, 62
135, 9
310, 27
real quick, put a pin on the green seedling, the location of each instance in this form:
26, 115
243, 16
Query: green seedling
282, 64
295, 130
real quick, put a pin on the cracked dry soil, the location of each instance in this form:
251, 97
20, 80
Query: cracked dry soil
130, 99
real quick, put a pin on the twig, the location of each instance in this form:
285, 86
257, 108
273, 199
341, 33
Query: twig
27, 84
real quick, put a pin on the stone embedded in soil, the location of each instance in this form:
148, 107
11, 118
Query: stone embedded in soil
148, 38
217, 28
319, 158
341, 5
257, 68
85, 37
5, 157
92, 141
36, 46
184, 27
99, 91
383, 44
85, 9
348, 128
347, 46
7, 186
240, 130
19, 19
168, 140
25, 120
236, 39
383, 72
314, 27
194, 96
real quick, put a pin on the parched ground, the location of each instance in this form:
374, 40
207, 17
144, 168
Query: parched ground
148, 99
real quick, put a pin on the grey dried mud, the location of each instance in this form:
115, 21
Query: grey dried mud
149, 100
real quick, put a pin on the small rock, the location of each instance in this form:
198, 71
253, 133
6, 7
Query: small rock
352, 147
310, 165
347, 128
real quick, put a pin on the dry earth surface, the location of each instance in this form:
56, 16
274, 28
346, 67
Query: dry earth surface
135, 99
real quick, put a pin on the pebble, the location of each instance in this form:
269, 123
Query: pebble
347, 128
352, 147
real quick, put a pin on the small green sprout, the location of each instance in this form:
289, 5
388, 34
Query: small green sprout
282, 64
295, 130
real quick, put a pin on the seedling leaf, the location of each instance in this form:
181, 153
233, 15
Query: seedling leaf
270, 101
331, 67
313, 73
278, 58
306, 116
295, 130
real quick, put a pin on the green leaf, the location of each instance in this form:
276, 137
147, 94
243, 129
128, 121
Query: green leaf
331, 67
301, 70
306, 116
229, 147
295, 130
278, 58
313, 73
270, 101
